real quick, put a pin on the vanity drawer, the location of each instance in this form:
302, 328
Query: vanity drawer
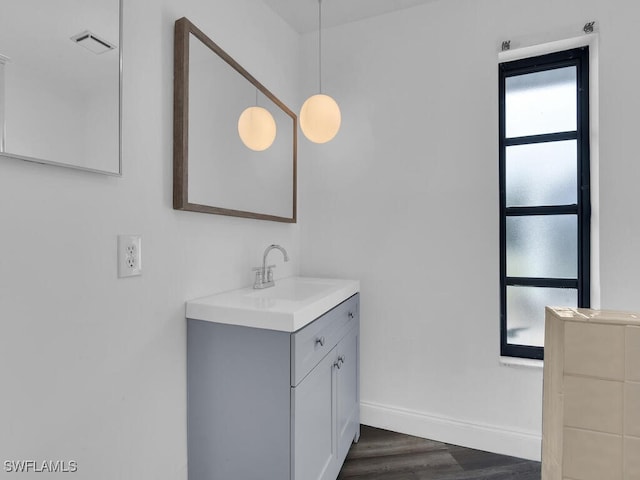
310, 344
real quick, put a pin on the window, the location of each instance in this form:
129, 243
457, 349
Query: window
544, 194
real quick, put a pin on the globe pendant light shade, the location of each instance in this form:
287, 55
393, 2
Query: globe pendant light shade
257, 128
320, 115
320, 118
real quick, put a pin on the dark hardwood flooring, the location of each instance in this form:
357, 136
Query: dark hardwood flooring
384, 455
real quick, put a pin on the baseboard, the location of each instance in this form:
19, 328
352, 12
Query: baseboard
489, 438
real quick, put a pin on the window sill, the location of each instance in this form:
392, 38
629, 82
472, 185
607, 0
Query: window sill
521, 362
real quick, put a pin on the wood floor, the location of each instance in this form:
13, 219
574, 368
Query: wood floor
384, 455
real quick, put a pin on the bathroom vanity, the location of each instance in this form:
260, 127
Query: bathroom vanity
272, 381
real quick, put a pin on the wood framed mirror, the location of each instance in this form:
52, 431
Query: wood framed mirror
213, 170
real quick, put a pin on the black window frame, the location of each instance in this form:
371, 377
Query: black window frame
578, 57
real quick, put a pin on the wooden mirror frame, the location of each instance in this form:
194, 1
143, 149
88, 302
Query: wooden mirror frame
183, 28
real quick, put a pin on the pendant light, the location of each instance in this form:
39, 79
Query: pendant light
320, 115
256, 127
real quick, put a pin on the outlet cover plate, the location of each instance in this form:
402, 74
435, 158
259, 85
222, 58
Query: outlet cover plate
129, 255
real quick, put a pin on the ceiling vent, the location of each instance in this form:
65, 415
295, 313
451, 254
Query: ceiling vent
92, 42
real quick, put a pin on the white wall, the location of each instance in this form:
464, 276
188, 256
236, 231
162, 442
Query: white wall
406, 199
92, 366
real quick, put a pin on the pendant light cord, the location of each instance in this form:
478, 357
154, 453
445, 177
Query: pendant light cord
320, 46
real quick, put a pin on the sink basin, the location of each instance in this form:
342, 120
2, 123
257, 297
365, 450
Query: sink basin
288, 306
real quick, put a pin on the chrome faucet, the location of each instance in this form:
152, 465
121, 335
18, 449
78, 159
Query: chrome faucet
264, 274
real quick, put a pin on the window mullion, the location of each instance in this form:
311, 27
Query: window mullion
542, 282
543, 138
542, 210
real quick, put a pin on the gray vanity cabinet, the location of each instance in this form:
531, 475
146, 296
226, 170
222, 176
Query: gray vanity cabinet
273, 405
327, 414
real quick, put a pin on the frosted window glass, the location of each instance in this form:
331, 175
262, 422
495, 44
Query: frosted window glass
541, 102
525, 311
542, 174
542, 246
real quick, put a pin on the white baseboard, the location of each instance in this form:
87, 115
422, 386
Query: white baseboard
489, 438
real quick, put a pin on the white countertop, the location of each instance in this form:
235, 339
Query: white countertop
288, 306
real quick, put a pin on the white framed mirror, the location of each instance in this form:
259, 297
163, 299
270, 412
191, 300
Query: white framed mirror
60, 83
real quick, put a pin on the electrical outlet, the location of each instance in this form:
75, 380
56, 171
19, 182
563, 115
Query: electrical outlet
129, 255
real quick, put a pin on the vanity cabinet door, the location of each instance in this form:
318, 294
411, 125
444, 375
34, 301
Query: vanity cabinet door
347, 393
313, 421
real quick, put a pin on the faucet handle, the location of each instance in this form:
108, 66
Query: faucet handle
257, 283
270, 273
